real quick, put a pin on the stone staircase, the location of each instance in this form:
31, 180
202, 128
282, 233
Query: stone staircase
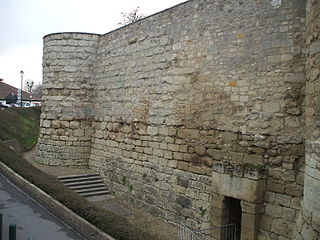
89, 186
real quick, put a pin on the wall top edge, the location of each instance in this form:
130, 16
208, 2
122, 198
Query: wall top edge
147, 17
65, 33
117, 29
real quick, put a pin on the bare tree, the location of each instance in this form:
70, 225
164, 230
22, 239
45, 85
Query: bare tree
37, 91
131, 17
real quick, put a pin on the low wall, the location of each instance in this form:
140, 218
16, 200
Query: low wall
85, 228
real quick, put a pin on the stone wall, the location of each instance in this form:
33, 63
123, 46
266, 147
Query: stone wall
66, 119
308, 223
168, 108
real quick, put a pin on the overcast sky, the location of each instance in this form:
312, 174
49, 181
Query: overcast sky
23, 23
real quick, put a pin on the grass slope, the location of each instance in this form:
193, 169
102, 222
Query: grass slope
21, 124
112, 224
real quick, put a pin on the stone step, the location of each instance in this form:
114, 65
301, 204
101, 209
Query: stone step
83, 183
80, 179
92, 190
92, 194
65, 177
86, 185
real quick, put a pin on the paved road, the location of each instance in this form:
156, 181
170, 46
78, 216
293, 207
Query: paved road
31, 219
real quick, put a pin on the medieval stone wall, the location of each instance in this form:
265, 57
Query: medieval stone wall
308, 223
172, 107
65, 127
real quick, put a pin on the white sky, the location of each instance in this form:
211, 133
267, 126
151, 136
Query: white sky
23, 23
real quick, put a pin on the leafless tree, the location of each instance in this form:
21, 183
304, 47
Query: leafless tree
37, 91
131, 17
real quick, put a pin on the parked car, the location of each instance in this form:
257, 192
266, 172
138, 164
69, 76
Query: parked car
26, 104
37, 104
3, 105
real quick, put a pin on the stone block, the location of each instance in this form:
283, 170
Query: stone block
207, 161
289, 214
46, 124
55, 124
152, 130
270, 197
266, 222
283, 200
251, 208
249, 226
239, 188
172, 163
216, 154
183, 133
196, 169
271, 107
183, 165
229, 136
275, 186
200, 150
295, 203
177, 156
164, 131
74, 124
273, 59
172, 131
183, 201
173, 147
282, 227
273, 210
167, 154
294, 190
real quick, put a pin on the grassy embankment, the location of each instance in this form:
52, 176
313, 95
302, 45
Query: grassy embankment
23, 125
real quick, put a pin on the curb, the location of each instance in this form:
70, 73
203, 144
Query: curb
79, 224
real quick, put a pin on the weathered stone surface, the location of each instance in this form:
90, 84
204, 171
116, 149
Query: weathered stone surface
240, 188
308, 224
223, 84
282, 228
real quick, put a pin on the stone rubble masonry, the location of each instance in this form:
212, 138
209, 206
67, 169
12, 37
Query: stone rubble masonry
308, 222
66, 119
159, 106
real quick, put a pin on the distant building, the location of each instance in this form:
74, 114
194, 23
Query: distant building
9, 94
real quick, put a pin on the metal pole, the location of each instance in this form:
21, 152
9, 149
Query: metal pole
0, 226
12, 232
21, 73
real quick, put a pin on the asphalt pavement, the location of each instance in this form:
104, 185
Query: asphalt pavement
32, 221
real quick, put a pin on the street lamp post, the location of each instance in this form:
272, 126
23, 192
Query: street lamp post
21, 73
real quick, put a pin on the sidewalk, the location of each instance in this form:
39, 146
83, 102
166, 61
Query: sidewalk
31, 219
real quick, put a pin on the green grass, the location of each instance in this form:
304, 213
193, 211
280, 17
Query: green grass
21, 124
116, 226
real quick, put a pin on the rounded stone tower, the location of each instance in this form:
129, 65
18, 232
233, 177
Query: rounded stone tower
65, 135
